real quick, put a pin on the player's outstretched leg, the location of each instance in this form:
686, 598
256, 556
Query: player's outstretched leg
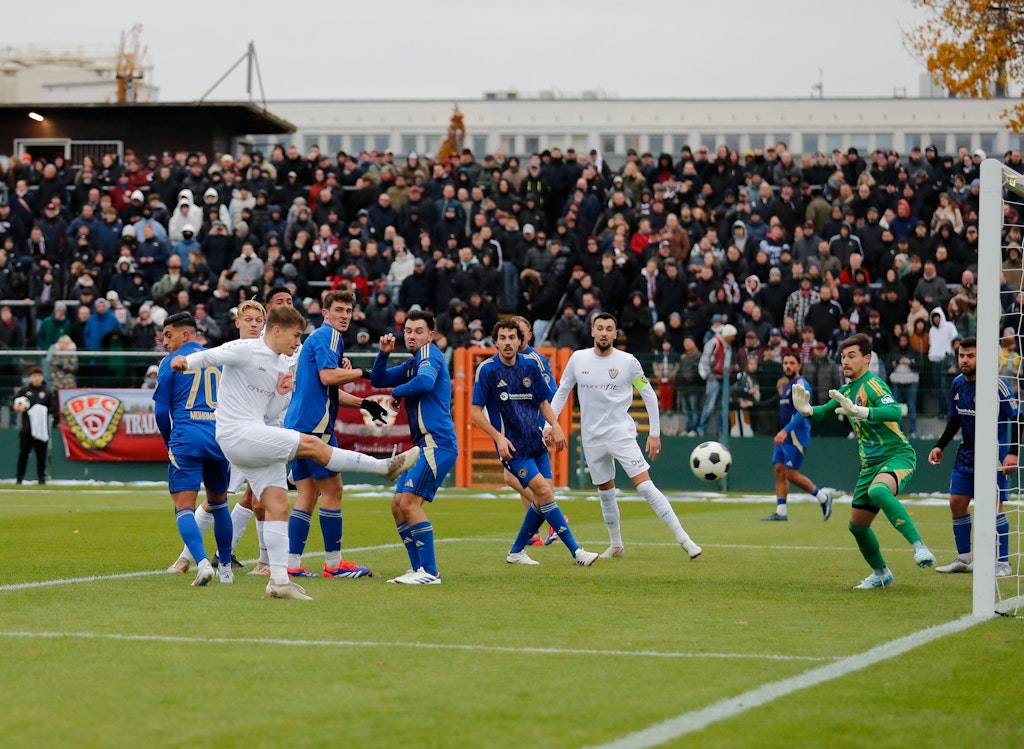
663, 509
900, 519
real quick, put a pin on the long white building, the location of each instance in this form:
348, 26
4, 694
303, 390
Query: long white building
521, 125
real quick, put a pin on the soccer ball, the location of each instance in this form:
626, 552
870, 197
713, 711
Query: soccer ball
22, 402
710, 461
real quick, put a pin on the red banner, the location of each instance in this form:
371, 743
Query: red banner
118, 424
357, 431
110, 424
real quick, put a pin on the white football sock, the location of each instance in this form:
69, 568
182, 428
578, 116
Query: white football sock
239, 521
275, 533
663, 509
264, 557
348, 460
610, 511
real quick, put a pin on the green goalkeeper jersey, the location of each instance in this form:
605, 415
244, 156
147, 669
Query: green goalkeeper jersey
879, 437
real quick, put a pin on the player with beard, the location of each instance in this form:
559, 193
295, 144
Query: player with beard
604, 378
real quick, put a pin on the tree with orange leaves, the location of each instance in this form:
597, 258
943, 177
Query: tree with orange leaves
971, 48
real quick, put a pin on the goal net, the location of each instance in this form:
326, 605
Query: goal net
1000, 227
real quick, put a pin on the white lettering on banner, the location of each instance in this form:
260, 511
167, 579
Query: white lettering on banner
140, 424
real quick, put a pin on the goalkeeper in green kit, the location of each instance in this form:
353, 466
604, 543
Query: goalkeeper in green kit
887, 460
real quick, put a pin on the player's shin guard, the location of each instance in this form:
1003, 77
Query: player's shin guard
867, 542
962, 527
423, 538
532, 522
556, 520
663, 509
203, 522
239, 520
347, 460
222, 530
410, 545
190, 534
1003, 536
610, 513
298, 534
330, 528
894, 510
275, 533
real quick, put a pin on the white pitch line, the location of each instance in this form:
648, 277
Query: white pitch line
415, 645
673, 728
151, 573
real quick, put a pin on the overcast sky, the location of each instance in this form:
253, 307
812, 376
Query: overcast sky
457, 49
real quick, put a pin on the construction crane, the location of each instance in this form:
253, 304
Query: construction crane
130, 56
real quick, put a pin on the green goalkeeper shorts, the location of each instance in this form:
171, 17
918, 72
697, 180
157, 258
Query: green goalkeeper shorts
902, 468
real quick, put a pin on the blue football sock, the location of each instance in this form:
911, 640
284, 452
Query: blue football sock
814, 492
298, 531
423, 539
330, 527
532, 522
410, 545
223, 530
1003, 536
556, 520
962, 534
189, 531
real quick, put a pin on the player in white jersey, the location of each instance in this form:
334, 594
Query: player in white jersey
604, 378
250, 319
255, 382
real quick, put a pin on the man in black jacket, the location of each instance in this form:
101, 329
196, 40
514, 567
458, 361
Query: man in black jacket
35, 426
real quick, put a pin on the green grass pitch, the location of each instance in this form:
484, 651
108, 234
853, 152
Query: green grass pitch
100, 648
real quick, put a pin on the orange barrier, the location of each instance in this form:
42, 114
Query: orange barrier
478, 465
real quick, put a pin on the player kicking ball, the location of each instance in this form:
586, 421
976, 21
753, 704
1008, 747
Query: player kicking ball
255, 385
514, 392
887, 460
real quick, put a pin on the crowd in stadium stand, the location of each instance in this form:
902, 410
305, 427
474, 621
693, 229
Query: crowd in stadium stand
794, 250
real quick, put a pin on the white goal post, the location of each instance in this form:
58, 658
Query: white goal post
1002, 194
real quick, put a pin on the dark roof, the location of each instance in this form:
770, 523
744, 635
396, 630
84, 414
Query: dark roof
146, 127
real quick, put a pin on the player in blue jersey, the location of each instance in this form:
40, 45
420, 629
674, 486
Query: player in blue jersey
424, 384
791, 443
184, 404
514, 392
961, 484
525, 493
322, 370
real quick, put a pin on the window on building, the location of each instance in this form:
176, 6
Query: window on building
432, 143
860, 142
333, 145
810, 143
308, 141
356, 144
656, 144
580, 142
729, 141
987, 143
531, 144
607, 143
834, 141
939, 140
631, 140
408, 143
883, 141
478, 145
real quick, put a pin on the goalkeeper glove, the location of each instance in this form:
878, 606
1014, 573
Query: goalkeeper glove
377, 411
847, 407
802, 400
